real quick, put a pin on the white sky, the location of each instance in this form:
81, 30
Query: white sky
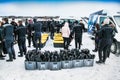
64, 9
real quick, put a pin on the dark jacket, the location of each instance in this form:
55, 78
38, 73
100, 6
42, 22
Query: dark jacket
8, 32
106, 34
37, 28
77, 29
21, 31
30, 28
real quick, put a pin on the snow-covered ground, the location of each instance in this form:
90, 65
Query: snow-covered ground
15, 70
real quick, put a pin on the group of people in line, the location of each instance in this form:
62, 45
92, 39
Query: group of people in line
15, 32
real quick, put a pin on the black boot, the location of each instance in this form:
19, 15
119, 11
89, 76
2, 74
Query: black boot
99, 62
20, 55
95, 50
9, 60
14, 57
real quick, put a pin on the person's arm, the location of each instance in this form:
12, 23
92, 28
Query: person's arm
83, 27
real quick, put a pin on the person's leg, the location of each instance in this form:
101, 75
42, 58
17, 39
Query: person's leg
108, 50
67, 43
40, 42
9, 50
13, 50
79, 42
29, 41
96, 44
64, 42
16, 36
101, 47
4, 48
105, 53
52, 35
24, 46
33, 40
76, 43
1, 55
69, 40
20, 48
36, 43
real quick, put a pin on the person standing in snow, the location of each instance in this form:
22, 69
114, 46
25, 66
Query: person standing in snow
105, 36
9, 39
21, 32
37, 34
77, 30
65, 34
30, 26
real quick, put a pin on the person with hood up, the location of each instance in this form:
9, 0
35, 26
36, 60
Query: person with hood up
65, 34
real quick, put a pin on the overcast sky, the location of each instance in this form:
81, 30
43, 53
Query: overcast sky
56, 9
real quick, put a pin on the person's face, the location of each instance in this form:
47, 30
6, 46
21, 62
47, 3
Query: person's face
3, 21
80, 21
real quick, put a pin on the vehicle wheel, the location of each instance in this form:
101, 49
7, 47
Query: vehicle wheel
114, 47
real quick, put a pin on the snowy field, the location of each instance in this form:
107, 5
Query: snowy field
15, 70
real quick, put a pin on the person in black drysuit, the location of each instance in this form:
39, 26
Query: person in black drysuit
9, 39
105, 35
52, 26
21, 32
77, 29
30, 26
37, 34
15, 27
96, 37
